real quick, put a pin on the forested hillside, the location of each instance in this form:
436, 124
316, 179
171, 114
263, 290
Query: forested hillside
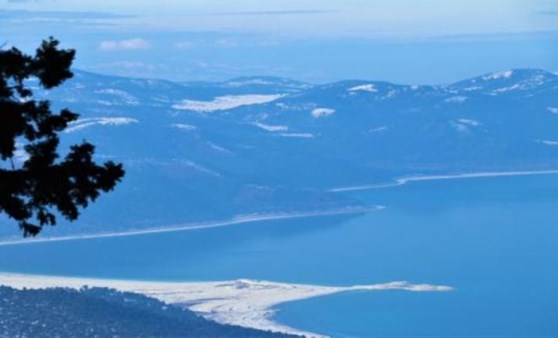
100, 312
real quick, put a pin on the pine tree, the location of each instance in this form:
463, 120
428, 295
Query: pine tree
33, 191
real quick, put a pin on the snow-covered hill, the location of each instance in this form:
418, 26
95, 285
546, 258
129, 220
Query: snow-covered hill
206, 151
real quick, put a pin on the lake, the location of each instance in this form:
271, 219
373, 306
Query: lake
494, 239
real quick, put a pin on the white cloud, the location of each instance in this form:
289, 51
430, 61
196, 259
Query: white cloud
130, 44
376, 19
125, 66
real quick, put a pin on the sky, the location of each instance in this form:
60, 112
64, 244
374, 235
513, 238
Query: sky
403, 41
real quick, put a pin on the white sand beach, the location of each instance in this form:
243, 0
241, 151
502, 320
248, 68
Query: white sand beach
405, 180
247, 303
241, 219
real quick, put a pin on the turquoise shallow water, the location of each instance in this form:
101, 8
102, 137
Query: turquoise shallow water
494, 239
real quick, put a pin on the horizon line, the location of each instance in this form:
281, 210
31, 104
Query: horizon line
515, 69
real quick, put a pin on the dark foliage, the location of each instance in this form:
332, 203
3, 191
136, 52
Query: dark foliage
31, 191
100, 312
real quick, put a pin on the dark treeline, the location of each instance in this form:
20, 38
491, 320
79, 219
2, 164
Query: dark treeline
101, 312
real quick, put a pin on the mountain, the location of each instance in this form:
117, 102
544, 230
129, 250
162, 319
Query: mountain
99, 312
511, 83
203, 151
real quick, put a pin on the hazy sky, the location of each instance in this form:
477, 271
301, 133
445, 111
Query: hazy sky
412, 41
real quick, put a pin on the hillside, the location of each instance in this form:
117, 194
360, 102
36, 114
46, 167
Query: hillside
98, 312
203, 151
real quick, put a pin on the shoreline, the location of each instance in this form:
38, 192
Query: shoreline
242, 302
404, 180
196, 226
243, 219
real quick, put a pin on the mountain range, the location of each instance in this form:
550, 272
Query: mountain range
203, 151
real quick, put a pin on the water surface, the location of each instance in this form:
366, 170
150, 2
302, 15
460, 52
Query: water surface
493, 239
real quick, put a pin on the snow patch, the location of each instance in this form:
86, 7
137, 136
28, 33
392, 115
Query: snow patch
472, 89
379, 129
506, 74
463, 125
298, 135
391, 94
270, 128
538, 79
124, 96
103, 121
219, 148
459, 127
469, 122
184, 126
251, 82
202, 169
371, 88
548, 142
456, 99
322, 112
225, 102
508, 89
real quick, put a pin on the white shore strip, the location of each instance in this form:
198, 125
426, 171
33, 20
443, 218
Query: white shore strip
405, 180
242, 219
246, 303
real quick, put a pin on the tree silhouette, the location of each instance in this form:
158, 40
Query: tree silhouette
35, 182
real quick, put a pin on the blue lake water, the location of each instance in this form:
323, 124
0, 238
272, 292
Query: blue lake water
494, 239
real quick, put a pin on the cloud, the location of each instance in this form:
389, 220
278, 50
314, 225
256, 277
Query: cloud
130, 44
125, 66
21, 14
279, 12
